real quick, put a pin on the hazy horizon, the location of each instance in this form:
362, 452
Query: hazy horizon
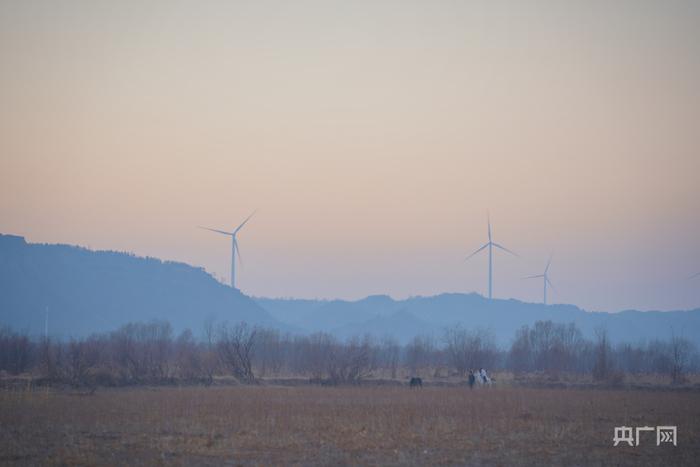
224, 281
373, 137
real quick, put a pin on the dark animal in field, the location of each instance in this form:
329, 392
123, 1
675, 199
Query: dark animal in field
416, 383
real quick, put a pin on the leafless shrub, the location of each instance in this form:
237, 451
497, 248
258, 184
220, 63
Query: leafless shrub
51, 359
269, 355
350, 362
389, 355
681, 350
549, 347
82, 356
142, 351
315, 354
419, 354
190, 358
603, 367
521, 355
147, 353
15, 351
469, 349
235, 346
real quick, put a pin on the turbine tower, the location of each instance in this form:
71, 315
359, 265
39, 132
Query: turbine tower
490, 246
234, 246
545, 279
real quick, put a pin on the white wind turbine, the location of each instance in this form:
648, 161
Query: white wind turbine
490, 246
234, 247
545, 279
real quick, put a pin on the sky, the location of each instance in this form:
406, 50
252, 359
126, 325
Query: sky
374, 138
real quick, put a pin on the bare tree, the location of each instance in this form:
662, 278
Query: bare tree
210, 360
15, 351
146, 353
209, 331
419, 353
631, 358
82, 356
142, 351
269, 355
315, 354
235, 347
520, 355
469, 349
681, 350
189, 358
389, 355
602, 368
51, 357
549, 347
350, 362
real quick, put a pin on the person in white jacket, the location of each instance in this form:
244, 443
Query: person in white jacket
484, 377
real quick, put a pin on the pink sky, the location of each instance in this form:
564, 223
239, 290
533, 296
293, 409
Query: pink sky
374, 137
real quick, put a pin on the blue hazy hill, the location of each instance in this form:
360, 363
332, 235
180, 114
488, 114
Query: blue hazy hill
327, 315
404, 319
90, 291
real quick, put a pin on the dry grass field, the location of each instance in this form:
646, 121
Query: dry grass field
310, 425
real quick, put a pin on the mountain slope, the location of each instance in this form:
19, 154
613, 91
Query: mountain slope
90, 291
431, 315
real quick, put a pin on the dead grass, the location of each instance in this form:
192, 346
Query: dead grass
384, 425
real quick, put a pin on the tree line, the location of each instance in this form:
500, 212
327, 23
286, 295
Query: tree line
151, 353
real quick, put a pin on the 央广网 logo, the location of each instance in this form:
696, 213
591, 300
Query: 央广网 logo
630, 435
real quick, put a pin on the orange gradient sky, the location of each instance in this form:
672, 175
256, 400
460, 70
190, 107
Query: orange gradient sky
374, 137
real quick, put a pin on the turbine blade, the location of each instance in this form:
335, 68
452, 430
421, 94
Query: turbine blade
548, 263
534, 277
505, 249
550, 283
214, 230
476, 252
694, 276
244, 222
488, 215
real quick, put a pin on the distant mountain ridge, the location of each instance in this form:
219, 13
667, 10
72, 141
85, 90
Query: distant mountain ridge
383, 316
94, 291
326, 315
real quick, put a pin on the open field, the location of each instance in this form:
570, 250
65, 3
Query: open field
273, 425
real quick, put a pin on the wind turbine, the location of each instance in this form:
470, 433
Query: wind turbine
234, 246
545, 279
694, 276
490, 246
